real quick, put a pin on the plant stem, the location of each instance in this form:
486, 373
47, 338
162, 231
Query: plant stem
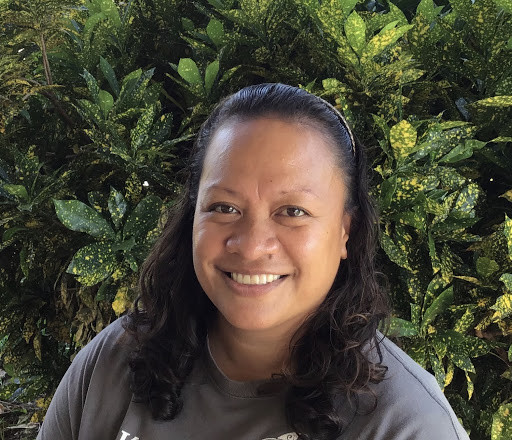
46, 64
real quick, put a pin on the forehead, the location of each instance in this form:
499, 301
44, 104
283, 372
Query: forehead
269, 149
280, 135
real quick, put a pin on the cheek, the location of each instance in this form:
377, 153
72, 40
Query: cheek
308, 248
318, 253
200, 238
207, 243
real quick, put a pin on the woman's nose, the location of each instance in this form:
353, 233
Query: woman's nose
253, 239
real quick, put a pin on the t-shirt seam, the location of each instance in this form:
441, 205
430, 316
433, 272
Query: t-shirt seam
227, 393
443, 407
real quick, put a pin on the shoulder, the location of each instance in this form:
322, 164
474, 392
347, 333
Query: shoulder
80, 399
406, 378
409, 403
111, 342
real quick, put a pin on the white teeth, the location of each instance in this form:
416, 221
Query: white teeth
254, 279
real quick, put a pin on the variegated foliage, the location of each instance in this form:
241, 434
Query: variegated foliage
93, 154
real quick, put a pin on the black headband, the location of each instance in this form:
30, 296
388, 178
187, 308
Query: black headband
343, 122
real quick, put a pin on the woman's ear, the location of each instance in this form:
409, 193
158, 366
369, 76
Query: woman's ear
345, 233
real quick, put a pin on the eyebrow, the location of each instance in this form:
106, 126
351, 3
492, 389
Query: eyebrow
302, 189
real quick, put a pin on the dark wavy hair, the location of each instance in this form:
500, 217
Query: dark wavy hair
172, 314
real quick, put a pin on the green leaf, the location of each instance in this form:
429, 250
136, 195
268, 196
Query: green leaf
466, 201
437, 367
465, 322
128, 89
502, 139
11, 232
387, 191
402, 137
117, 207
143, 219
77, 216
380, 21
505, 4
486, 267
109, 8
97, 200
462, 151
439, 343
461, 361
507, 230
125, 246
507, 195
418, 353
439, 305
434, 259
395, 254
141, 131
92, 85
502, 423
93, 263
346, 6
383, 39
506, 279
210, 75
91, 112
106, 102
215, 31
495, 101
427, 9
187, 24
470, 385
188, 70
381, 123
355, 29
92, 22
18, 191
132, 262
502, 307
400, 327
110, 76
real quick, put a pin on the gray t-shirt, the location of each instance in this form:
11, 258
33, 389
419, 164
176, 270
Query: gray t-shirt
94, 402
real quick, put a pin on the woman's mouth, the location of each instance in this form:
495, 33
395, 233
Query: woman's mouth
259, 279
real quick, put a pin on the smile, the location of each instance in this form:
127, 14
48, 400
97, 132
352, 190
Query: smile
254, 279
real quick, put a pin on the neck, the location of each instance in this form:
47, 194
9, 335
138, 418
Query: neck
244, 355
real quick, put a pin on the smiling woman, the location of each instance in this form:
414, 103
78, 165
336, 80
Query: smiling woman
259, 305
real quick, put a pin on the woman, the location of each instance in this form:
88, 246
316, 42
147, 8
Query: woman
259, 305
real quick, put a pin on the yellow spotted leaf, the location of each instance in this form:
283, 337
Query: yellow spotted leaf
355, 29
36, 342
471, 386
502, 423
506, 279
507, 230
93, 263
450, 371
402, 137
387, 36
122, 301
188, 70
507, 195
495, 101
502, 307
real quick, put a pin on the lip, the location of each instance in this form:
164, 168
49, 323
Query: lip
252, 290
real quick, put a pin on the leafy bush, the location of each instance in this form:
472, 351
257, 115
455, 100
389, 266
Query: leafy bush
99, 103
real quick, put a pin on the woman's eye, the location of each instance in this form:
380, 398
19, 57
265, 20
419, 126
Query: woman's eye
293, 211
224, 209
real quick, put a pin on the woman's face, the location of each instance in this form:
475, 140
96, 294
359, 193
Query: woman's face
269, 225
